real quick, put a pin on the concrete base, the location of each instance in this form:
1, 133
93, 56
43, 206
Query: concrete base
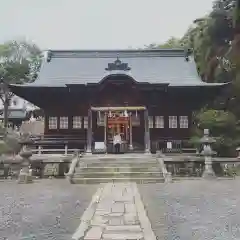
116, 180
168, 178
131, 147
25, 178
88, 153
209, 175
147, 152
69, 178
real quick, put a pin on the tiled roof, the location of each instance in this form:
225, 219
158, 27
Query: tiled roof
153, 66
15, 114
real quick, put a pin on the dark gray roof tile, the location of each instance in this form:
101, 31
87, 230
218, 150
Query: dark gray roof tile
14, 114
153, 66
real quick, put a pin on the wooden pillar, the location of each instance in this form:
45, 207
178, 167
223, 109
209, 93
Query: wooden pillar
89, 132
130, 132
147, 133
105, 130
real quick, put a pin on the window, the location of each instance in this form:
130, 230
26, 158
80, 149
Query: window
85, 122
52, 123
159, 122
63, 123
183, 121
77, 122
150, 121
172, 121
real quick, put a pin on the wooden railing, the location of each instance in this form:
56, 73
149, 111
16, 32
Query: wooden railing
63, 144
177, 146
64, 151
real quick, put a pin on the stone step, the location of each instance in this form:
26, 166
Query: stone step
119, 169
114, 157
151, 159
120, 164
120, 156
117, 174
106, 180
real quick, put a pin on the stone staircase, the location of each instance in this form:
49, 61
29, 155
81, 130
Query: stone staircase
139, 168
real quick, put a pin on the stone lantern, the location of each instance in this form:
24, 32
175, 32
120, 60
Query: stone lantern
25, 175
207, 152
238, 150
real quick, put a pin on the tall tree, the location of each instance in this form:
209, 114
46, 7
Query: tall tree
19, 63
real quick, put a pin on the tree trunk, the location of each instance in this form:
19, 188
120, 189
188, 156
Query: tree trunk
237, 18
6, 104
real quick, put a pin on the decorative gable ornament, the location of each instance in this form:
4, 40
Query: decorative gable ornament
118, 65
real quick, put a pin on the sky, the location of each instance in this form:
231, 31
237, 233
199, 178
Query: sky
97, 24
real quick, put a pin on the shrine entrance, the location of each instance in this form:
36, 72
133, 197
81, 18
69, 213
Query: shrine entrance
118, 123
118, 120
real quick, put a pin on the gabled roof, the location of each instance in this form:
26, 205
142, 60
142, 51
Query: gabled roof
15, 114
91, 66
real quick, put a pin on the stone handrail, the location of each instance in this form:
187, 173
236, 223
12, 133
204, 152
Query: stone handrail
238, 150
167, 175
74, 164
65, 151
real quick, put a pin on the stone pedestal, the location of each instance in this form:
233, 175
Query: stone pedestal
25, 175
168, 177
208, 171
207, 152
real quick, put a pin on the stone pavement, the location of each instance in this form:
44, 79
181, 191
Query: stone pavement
116, 212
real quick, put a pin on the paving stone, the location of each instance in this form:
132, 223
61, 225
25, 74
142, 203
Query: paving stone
106, 209
118, 208
115, 221
104, 205
102, 212
130, 208
125, 228
99, 220
94, 233
115, 214
122, 236
124, 199
130, 218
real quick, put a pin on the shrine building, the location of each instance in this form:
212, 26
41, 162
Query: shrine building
148, 96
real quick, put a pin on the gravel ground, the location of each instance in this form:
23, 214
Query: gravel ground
188, 210
191, 210
44, 210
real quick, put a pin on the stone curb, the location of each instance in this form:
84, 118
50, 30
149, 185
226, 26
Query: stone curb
143, 219
87, 216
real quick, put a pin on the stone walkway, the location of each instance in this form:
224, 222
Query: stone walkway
115, 212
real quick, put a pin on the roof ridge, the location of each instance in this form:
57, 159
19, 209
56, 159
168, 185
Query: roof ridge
119, 50
127, 53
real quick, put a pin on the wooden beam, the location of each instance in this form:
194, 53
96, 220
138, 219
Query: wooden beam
128, 108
